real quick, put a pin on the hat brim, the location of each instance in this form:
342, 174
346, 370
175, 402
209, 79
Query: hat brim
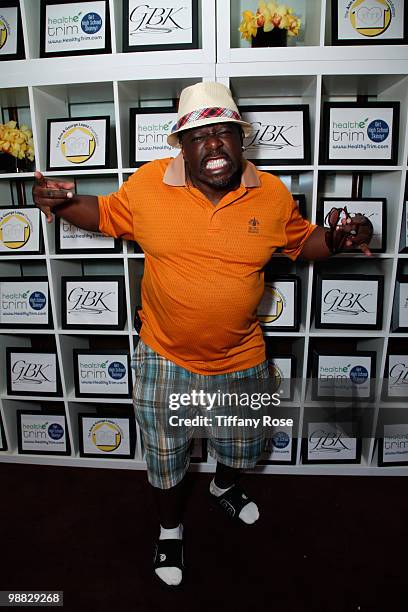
173, 140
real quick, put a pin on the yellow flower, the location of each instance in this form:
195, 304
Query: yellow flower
16, 142
248, 26
282, 10
269, 15
294, 26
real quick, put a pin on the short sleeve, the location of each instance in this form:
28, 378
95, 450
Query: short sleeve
297, 231
115, 216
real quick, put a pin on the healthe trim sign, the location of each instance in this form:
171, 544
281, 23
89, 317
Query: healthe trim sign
74, 28
102, 373
42, 433
24, 302
360, 133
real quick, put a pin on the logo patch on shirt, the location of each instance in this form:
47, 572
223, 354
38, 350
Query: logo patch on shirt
253, 226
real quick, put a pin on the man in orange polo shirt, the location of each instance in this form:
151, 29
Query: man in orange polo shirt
208, 222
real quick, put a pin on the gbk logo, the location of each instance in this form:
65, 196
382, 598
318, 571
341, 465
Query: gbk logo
399, 375
36, 373
323, 441
85, 300
345, 302
274, 137
165, 20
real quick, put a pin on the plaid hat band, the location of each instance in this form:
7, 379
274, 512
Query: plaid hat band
206, 113
202, 104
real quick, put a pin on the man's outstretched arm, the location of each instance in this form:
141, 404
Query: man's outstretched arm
58, 198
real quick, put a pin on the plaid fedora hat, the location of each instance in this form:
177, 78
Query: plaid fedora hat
203, 104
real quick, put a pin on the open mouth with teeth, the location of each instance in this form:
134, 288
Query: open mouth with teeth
216, 163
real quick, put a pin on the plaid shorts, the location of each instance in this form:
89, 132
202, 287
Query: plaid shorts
167, 452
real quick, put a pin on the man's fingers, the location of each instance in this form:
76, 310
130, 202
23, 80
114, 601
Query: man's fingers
61, 188
364, 247
56, 194
47, 212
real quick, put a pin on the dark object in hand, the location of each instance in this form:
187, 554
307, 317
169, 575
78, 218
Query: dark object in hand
354, 231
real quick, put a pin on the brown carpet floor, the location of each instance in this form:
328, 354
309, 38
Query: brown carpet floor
324, 544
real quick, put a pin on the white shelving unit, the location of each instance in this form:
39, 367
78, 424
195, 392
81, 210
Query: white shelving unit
310, 71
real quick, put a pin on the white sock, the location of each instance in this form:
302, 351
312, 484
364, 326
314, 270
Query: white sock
249, 513
170, 575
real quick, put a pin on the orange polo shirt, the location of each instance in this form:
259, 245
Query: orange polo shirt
203, 275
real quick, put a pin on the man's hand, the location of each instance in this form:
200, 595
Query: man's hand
48, 194
353, 231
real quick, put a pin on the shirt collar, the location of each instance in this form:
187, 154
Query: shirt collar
175, 175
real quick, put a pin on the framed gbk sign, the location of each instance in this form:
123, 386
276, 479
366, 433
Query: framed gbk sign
362, 134
32, 372
79, 143
280, 134
11, 34
396, 377
149, 128
72, 27
349, 301
160, 26
279, 307
372, 208
400, 307
330, 443
369, 22
20, 230
93, 302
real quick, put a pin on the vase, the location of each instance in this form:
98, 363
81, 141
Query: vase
9, 163
274, 38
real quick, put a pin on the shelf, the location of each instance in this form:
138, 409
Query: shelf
309, 71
